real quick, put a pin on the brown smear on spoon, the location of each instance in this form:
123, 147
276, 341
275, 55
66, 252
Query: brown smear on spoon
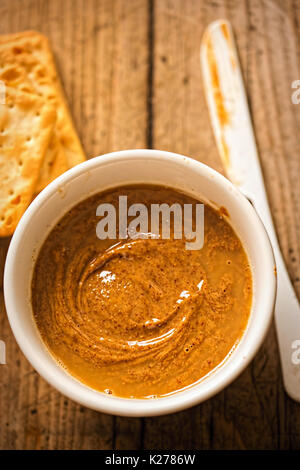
222, 113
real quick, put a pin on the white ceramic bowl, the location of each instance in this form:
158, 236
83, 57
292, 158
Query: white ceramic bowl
111, 170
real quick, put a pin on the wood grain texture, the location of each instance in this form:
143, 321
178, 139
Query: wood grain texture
132, 77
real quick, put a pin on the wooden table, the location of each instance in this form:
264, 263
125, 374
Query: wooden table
131, 73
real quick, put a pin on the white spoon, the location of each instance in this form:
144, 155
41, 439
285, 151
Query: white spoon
234, 135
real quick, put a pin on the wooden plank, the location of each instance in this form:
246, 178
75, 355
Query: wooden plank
253, 412
132, 77
101, 50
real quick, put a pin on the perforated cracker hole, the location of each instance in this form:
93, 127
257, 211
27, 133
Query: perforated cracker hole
17, 50
26, 89
16, 200
10, 74
40, 73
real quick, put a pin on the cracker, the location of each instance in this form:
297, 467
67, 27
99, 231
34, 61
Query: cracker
54, 163
26, 61
26, 126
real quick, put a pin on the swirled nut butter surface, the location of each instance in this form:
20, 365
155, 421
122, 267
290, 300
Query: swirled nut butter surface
140, 317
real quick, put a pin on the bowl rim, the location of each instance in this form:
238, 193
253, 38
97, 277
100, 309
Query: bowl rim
136, 407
